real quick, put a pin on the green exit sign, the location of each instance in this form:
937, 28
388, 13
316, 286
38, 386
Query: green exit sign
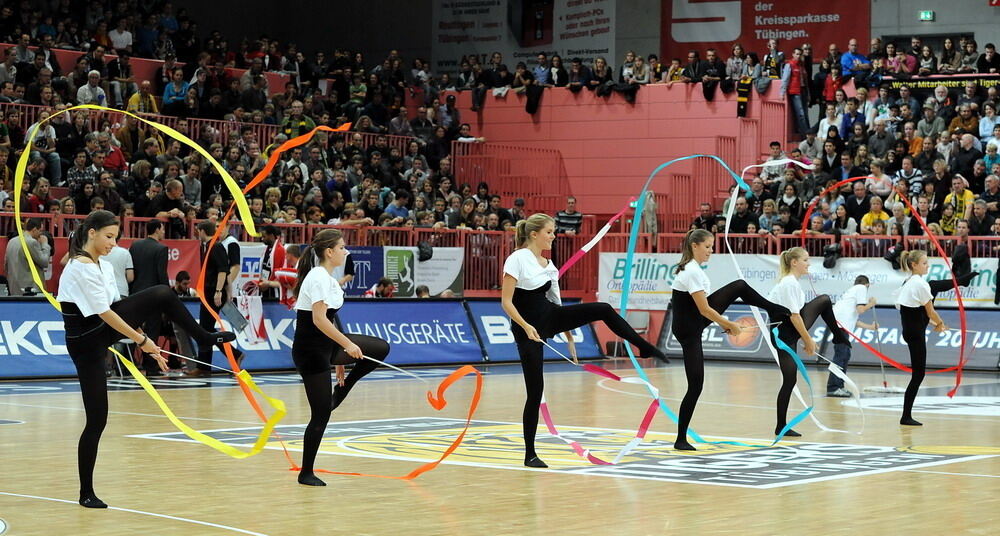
927, 16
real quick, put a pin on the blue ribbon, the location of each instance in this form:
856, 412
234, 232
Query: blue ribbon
627, 288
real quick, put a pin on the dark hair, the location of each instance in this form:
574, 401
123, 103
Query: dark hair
97, 220
182, 276
152, 226
270, 229
207, 226
32, 224
385, 282
324, 240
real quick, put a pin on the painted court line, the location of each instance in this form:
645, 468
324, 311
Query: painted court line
141, 512
953, 474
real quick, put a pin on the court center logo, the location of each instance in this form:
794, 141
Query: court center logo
499, 445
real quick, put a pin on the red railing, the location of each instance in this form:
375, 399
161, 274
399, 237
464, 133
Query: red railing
535, 174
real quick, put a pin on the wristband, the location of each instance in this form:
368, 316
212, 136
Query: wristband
143, 341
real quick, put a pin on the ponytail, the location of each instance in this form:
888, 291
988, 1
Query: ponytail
312, 254
787, 256
694, 236
532, 224
908, 258
97, 220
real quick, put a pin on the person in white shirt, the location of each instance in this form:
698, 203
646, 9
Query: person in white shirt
848, 308
93, 320
530, 297
92, 92
121, 260
318, 343
693, 307
121, 38
916, 309
794, 264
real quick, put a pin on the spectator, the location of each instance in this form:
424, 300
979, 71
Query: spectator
970, 58
965, 157
19, 278
988, 62
832, 119
216, 293
174, 94
422, 291
568, 221
91, 92
742, 217
878, 182
859, 203
981, 223
875, 213
927, 62
795, 84
182, 285
960, 197
965, 120
383, 289
991, 195
694, 71
854, 64
773, 62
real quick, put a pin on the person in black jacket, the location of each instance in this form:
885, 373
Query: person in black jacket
149, 257
216, 293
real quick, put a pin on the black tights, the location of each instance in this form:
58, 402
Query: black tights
322, 400
688, 335
820, 306
558, 320
134, 310
917, 343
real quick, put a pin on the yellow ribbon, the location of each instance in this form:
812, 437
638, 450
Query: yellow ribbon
244, 210
244, 376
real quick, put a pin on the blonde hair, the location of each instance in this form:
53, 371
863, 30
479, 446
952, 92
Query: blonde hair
787, 256
911, 257
533, 224
694, 236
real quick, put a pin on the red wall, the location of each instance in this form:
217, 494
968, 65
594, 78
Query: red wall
610, 147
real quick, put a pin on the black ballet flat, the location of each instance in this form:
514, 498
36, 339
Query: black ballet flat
789, 433
682, 444
92, 502
909, 421
224, 336
536, 463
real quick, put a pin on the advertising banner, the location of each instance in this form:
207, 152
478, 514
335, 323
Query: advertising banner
494, 331
519, 29
982, 343
418, 331
444, 270
653, 273
700, 24
368, 268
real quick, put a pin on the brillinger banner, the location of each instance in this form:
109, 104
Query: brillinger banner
519, 29
653, 274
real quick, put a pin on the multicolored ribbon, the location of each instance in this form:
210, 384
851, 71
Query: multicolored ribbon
245, 380
640, 433
962, 359
438, 402
593, 241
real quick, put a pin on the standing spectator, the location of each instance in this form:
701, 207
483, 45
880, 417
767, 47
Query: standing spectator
273, 259
773, 62
541, 71
795, 84
18, 271
694, 70
216, 294
568, 221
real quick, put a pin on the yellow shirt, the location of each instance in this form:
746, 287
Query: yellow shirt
869, 219
136, 104
961, 203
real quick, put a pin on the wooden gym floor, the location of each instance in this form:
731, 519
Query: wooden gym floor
942, 478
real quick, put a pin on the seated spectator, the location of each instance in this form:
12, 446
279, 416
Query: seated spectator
842, 223
970, 58
981, 223
927, 62
91, 92
965, 157
875, 213
988, 121
989, 61
383, 289
878, 182
832, 119
705, 219
742, 217
960, 197
965, 120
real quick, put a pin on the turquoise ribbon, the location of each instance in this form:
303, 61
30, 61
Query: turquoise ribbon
626, 290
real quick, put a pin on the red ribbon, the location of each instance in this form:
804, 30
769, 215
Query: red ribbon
958, 293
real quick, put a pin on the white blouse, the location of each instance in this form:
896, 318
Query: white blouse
915, 292
788, 293
523, 266
319, 285
92, 287
692, 279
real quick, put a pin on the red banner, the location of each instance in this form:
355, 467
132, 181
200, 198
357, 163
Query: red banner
182, 255
700, 24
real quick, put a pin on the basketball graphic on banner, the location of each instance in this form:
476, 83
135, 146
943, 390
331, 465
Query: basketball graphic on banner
747, 336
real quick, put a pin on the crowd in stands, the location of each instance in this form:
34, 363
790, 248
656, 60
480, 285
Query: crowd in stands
939, 152
131, 169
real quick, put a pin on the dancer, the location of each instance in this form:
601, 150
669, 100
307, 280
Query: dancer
530, 297
794, 263
848, 308
318, 342
93, 321
693, 307
916, 308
